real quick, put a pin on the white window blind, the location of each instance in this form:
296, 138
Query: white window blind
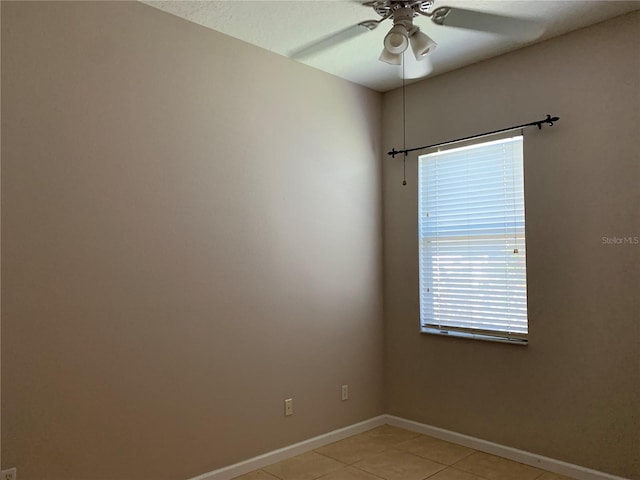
472, 241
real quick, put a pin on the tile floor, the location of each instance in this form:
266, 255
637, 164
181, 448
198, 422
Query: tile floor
391, 453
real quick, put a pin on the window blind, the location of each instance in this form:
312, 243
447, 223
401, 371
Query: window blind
472, 241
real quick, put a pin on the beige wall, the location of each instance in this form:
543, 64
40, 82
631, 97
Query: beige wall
574, 392
191, 233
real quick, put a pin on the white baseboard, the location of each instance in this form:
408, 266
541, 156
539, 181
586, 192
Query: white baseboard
255, 463
545, 463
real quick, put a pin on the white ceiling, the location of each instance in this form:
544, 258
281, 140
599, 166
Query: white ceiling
287, 26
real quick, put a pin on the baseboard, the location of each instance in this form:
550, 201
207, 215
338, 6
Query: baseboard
545, 463
255, 463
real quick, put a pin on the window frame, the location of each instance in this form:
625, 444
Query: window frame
442, 327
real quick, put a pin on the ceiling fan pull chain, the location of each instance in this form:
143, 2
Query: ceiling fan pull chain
404, 128
404, 170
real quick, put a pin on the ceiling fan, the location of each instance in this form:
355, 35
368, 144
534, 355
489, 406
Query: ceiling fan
404, 34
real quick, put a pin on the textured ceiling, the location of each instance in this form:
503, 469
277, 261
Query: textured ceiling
285, 27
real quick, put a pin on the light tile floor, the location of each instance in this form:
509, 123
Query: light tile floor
391, 453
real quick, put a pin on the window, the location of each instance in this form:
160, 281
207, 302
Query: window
472, 241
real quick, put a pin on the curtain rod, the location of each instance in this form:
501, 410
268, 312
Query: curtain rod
538, 124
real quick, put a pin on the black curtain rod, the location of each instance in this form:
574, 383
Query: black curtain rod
549, 120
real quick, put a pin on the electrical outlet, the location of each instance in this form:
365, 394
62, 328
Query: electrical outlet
345, 392
9, 474
288, 407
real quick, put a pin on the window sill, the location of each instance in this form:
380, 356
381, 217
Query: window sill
484, 337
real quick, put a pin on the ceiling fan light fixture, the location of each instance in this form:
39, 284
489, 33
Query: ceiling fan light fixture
397, 40
390, 58
421, 44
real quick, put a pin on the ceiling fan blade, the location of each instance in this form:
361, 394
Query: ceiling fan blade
333, 39
519, 28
